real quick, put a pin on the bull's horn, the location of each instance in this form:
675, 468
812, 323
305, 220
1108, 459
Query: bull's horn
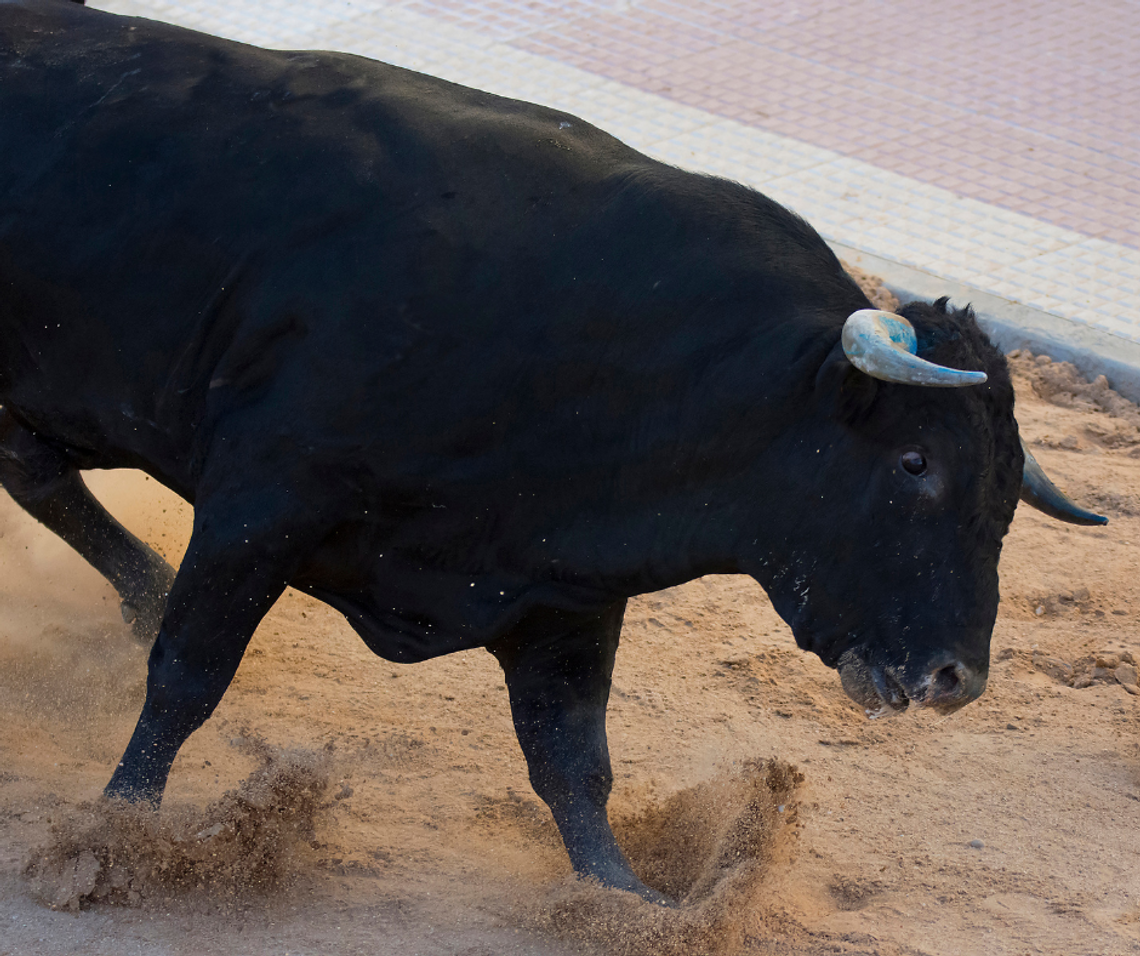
1040, 493
883, 345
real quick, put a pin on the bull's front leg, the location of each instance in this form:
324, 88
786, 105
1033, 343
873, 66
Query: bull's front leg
241, 555
559, 684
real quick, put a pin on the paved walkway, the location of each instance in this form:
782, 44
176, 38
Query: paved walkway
994, 143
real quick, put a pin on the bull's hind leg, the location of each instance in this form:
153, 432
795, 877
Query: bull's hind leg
45, 484
242, 554
559, 684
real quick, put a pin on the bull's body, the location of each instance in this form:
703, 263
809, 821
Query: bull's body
468, 369
470, 335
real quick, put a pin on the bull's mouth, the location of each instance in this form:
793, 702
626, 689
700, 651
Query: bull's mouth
873, 688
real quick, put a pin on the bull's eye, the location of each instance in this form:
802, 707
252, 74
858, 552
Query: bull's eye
913, 462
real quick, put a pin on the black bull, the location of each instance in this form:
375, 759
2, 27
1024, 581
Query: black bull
469, 370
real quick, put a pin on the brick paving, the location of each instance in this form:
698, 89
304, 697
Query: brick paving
1034, 107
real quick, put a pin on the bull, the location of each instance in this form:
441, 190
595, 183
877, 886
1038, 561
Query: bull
474, 373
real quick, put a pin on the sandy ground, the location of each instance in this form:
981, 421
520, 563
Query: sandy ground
389, 812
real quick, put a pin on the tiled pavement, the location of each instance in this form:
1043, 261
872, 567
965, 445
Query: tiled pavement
993, 143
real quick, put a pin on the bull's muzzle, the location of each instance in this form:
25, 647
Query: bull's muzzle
944, 685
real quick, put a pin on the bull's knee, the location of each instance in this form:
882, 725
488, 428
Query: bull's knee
30, 471
143, 593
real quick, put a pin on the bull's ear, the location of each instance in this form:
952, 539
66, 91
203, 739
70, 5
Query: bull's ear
840, 385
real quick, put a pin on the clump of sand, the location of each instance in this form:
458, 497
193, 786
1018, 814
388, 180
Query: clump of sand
1115, 422
248, 841
709, 847
1061, 383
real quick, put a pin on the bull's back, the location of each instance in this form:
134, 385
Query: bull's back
470, 302
171, 203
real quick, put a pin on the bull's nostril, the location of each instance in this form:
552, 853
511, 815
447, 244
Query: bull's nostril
946, 679
952, 686
947, 682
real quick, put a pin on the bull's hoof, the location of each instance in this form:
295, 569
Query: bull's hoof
133, 799
629, 883
650, 895
123, 789
144, 624
143, 609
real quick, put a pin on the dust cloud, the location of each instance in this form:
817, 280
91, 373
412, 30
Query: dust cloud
245, 844
708, 847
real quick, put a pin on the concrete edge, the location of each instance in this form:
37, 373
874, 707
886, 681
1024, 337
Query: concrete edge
1012, 325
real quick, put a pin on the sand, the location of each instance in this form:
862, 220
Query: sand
340, 804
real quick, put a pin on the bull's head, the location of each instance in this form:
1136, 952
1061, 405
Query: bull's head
884, 346
903, 599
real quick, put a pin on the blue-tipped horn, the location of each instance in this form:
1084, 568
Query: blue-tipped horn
1039, 492
883, 345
